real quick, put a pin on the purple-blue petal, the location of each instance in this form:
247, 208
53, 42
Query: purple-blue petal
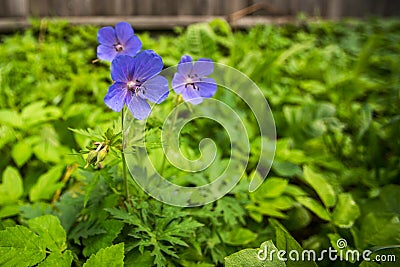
122, 68
106, 36
191, 95
155, 89
185, 65
116, 96
147, 65
105, 52
203, 67
139, 107
132, 46
177, 82
207, 87
124, 32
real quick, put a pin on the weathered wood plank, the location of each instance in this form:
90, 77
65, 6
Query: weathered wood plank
144, 22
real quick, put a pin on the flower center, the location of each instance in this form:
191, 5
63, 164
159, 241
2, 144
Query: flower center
190, 81
118, 47
134, 86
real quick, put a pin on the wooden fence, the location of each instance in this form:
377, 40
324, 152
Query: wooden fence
166, 14
324, 8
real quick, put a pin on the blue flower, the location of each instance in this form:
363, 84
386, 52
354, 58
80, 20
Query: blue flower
190, 80
121, 41
135, 81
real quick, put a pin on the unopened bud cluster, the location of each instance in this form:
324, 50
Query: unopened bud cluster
97, 155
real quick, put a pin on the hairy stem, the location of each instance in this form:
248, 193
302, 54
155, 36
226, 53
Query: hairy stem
124, 167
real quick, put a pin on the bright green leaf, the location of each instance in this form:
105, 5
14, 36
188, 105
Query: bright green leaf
255, 257
324, 190
10, 117
20, 247
22, 151
271, 188
346, 211
239, 236
58, 259
47, 184
315, 207
12, 188
112, 256
9, 210
48, 227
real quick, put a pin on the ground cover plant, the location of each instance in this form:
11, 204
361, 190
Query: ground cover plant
333, 88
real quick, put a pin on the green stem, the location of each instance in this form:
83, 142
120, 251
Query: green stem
124, 167
177, 100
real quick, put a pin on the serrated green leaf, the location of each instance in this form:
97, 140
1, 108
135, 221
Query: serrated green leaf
12, 188
58, 259
20, 247
324, 190
47, 184
49, 228
346, 211
94, 134
255, 257
112, 256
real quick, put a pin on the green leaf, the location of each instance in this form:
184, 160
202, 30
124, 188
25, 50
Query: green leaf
380, 229
12, 188
135, 258
298, 218
9, 210
346, 211
315, 207
112, 256
22, 151
47, 184
20, 247
10, 117
286, 168
238, 236
58, 259
324, 190
37, 113
271, 188
285, 242
97, 242
255, 257
48, 227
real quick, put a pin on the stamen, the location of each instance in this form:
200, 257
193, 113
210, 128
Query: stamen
118, 47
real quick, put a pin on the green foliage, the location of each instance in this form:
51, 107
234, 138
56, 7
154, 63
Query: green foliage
333, 88
22, 246
111, 256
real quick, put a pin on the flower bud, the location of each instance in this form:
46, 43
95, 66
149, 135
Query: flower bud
101, 155
91, 158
